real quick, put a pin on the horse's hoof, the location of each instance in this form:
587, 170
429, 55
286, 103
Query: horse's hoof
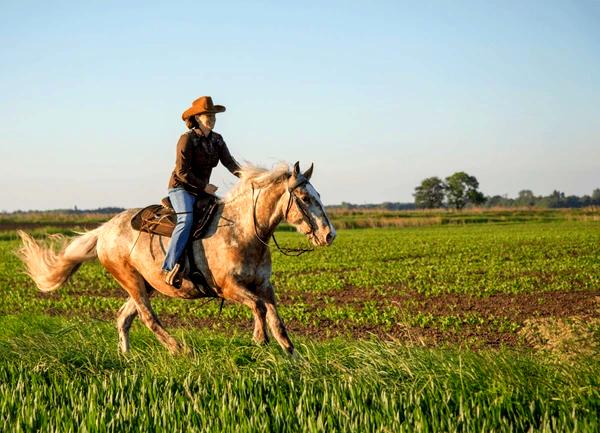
175, 348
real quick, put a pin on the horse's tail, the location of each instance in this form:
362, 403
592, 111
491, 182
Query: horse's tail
50, 269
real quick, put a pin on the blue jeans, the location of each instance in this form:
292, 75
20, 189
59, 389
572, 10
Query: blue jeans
183, 204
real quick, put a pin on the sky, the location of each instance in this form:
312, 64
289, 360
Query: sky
378, 95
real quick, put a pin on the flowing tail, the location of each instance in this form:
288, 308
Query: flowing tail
50, 269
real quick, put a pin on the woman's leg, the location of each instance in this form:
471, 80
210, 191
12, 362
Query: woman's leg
183, 204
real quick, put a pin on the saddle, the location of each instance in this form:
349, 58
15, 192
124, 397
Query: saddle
160, 219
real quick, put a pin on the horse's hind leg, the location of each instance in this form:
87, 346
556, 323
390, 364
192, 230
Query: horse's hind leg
124, 320
136, 287
150, 319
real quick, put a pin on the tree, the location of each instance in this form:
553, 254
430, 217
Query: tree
461, 189
430, 194
499, 200
596, 196
525, 198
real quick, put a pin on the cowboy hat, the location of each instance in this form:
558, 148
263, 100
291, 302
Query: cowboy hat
204, 104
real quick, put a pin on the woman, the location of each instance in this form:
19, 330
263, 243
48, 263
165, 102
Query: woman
198, 151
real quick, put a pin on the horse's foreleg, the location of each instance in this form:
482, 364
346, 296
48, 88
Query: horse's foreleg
276, 324
124, 320
240, 294
260, 323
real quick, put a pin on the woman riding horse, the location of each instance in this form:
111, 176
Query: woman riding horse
235, 258
198, 151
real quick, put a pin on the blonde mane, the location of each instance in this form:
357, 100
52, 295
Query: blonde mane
259, 177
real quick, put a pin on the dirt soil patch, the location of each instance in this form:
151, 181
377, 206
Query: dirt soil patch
520, 309
517, 307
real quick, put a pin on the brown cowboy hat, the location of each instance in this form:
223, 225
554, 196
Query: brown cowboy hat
204, 104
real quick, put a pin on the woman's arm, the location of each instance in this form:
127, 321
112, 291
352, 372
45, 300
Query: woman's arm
227, 160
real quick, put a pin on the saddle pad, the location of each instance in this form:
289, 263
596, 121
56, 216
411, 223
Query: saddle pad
161, 221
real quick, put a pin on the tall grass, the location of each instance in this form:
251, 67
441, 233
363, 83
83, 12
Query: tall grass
66, 376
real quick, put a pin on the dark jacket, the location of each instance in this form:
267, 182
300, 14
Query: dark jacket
196, 157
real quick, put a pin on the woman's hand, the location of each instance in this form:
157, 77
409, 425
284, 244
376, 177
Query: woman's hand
210, 188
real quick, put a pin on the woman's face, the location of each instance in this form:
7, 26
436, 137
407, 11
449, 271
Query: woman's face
206, 120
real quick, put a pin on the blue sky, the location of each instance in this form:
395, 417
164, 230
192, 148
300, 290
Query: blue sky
378, 96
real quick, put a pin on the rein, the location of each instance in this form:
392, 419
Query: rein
292, 252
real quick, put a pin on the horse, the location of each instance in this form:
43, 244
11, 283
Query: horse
234, 257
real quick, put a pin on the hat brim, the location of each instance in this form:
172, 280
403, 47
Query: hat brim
194, 111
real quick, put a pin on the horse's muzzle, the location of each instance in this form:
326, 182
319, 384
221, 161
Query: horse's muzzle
330, 238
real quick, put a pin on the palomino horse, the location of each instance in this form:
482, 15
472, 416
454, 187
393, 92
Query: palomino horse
234, 258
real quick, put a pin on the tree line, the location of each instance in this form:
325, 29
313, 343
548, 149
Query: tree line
461, 190
557, 199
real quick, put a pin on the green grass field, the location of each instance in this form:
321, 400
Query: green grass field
66, 375
439, 327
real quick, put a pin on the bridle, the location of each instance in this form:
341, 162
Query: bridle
303, 210
301, 180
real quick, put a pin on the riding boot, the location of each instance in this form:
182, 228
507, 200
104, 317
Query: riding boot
178, 277
172, 275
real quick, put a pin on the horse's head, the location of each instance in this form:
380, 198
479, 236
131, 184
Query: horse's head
304, 209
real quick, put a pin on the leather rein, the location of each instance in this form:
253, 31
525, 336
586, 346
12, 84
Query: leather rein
294, 252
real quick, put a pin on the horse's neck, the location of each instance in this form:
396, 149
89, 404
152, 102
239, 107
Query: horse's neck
265, 215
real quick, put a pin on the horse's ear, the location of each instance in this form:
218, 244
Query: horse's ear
308, 173
297, 168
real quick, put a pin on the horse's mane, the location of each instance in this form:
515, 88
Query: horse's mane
259, 177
